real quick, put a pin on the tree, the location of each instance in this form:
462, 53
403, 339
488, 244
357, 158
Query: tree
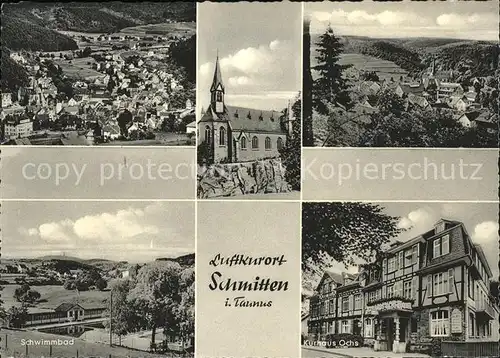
123, 120
17, 316
307, 132
291, 152
86, 52
156, 294
330, 88
125, 317
101, 284
25, 294
344, 232
371, 76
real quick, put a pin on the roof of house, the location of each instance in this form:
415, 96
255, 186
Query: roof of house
418, 100
66, 306
415, 89
246, 119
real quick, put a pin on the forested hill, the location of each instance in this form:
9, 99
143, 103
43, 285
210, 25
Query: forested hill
471, 59
32, 26
467, 57
404, 57
105, 16
13, 74
26, 32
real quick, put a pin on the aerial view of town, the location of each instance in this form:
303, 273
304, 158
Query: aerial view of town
102, 280
84, 73
401, 74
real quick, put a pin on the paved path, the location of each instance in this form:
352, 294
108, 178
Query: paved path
363, 352
65, 324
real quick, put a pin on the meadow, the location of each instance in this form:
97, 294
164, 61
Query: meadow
52, 296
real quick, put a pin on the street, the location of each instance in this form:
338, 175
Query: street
311, 353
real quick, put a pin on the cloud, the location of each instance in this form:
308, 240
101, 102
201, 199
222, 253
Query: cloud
253, 68
240, 81
109, 227
55, 231
364, 18
122, 225
486, 233
453, 20
419, 219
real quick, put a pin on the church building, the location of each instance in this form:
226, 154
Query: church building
237, 134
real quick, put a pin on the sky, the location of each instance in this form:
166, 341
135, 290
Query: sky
477, 20
259, 47
120, 231
480, 220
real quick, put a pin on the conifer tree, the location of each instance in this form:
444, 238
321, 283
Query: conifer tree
330, 88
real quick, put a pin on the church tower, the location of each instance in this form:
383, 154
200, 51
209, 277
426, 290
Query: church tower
217, 90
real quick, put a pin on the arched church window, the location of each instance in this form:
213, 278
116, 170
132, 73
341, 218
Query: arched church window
222, 136
255, 142
243, 143
268, 143
208, 135
280, 143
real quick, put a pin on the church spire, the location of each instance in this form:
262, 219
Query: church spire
217, 81
217, 89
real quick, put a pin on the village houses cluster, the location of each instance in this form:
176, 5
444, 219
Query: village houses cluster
114, 82
434, 89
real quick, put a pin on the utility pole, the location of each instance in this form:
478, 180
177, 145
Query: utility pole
111, 319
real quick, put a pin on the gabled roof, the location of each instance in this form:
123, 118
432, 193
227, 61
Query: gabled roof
246, 119
65, 307
217, 80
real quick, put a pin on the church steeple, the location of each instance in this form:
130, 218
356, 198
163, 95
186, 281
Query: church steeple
217, 89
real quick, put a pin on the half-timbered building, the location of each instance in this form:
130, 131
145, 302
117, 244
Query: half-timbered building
434, 286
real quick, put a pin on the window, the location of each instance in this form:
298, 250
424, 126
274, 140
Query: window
414, 254
255, 142
441, 246
345, 326
222, 136
407, 289
279, 144
357, 302
451, 280
440, 227
390, 291
439, 324
208, 135
441, 285
267, 143
219, 96
332, 307
345, 304
391, 265
243, 143
400, 261
369, 327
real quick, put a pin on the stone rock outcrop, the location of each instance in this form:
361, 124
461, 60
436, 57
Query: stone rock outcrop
263, 176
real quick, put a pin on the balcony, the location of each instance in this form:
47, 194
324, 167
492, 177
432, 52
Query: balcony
393, 304
485, 311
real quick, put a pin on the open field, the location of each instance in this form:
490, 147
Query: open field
384, 69
79, 68
52, 296
178, 29
81, 348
